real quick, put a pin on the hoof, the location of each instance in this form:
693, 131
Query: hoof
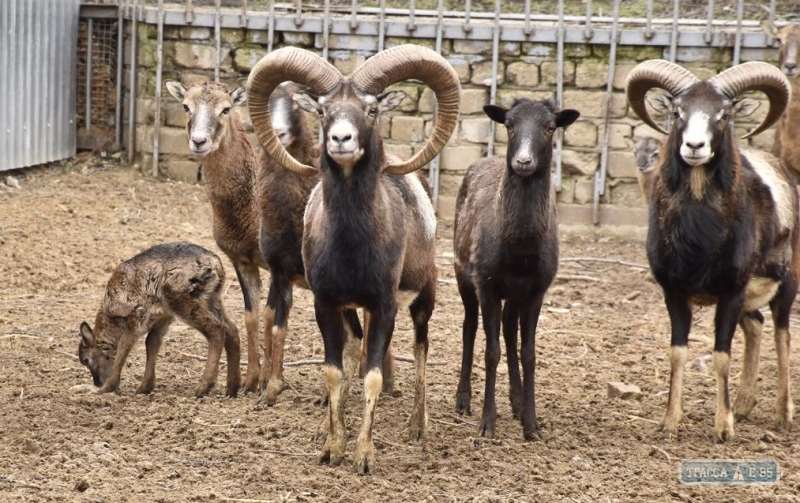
251, 381
723, 427
486, 430
532, 433
516, 406
108, 387
145, 388
331, 454
322, 430
670, 423
203, 389
463, 399
784, 419
364, 460
743, 407
416, 431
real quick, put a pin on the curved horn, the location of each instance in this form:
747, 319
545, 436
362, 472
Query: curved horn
415, 62
655, 73
288, 63
757, 76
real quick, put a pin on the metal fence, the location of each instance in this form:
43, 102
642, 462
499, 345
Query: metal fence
38, 40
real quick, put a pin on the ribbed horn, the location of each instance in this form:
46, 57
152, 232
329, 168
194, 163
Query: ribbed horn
406, 62
757, 76
287, 63
651, 74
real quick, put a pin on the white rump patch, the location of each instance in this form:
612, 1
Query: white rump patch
404, 298
759, 292
424, 205
778, 187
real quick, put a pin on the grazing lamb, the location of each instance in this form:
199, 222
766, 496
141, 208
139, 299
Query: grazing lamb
506, 248
723, 226
647, 151
369, 225
787, 132
144, 296
257, 210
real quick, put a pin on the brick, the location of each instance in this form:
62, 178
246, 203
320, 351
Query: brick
567, 193
591, 73
626, 194
349, 42
231, 36
500, 134
584, 190
347, 62
449, 184
539, 50
446, 207
175, 115
523, 74
620, 136
591, 103
195, 56
476, 130
632, 53
484, 47
643, 130
577, 50
298, 39
482, 73
408, 129
400, 150
173, 141
145, 111
472, 100
245, 58
260, 37
579, 163
430, 43
505, 97
184, 171
549, 71
764, 140
462, 68
622, 164
581, 134
621, 72
458, 158
701, 54
409, 103
384, 125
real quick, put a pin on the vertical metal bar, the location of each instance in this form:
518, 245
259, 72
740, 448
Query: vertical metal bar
411, 13
298, 17
353, 15
16, 84
38, 88
495, 63
559, 91
132, 99
467, 11
87, 122
382, 26
217, 37
120, 51
587, 25
737, 43
648, 29
771, 10
673, 43
189, 12
326, 28
271, 33
159, 66
243, 22
70, 75
434, 170
528, 30
600, 177
27, 122
708, 36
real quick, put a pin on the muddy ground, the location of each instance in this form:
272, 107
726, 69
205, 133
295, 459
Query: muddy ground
65, 229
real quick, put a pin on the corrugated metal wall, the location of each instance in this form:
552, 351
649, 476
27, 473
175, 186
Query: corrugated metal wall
38, 50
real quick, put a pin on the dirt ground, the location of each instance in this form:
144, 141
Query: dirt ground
67, 227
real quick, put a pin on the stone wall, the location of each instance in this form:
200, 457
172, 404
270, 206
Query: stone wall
525, 70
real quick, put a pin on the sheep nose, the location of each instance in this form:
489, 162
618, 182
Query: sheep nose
341, 138
199, 141
523, 160
696, 145
790, 66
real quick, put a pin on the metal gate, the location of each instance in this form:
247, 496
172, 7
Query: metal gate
38, 47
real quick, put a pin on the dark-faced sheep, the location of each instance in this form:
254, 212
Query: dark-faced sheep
144, 296
723, 226
370, 228
506, 249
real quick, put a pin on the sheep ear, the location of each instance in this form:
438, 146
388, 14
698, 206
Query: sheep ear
566, 117
390, 100
496, 113
176, 89
770, 29
745, 107
306, 102
661, 103
87, 337
238, 96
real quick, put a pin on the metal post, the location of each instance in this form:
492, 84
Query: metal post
434, 169
298, 17
271, 33
217, 37
673, 43
411, 8
600, 177
648, 30
495, 63
89, 36
587, 26
467, 12
559, 91
771, 10
120, 50
528, 30
326, 28
737, 43
243, 22
354, 15
708, 36
382, 26
159, 66
189, 12
132, 104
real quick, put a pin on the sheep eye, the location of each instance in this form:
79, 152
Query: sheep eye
85, 361
551, 129
373, 112
225, 111
676, 114
186, 107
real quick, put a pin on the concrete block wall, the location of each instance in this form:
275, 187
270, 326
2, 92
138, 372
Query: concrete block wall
525, 70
